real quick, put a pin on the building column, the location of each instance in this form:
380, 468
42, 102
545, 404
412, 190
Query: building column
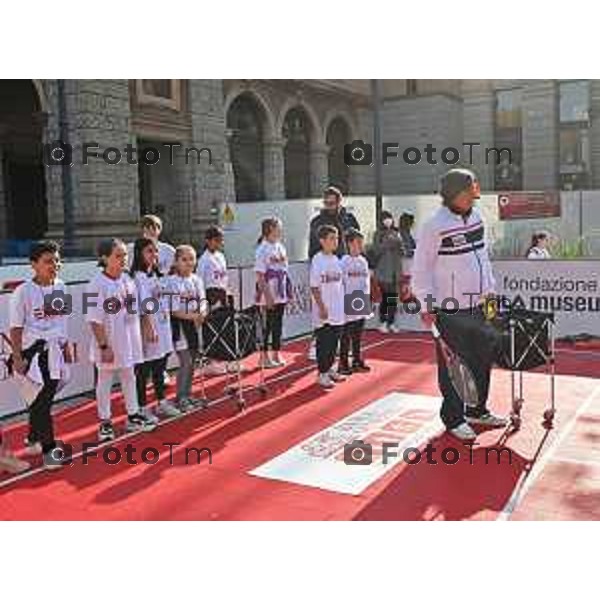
319, 168
362, 179
3, 200
478, 128
105, 196
595, 132
274, 166
208, 131
540, 135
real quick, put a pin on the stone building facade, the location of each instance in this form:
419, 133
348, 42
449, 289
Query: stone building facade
252, 140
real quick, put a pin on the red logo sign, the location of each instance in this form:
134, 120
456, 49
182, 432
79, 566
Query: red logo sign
528, 205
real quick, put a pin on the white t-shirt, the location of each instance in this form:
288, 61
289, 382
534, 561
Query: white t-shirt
154, 287
538, 253
272, 262
29, 311
187, 296
122, 328
326, 274
166, 256
357, 282
212, 269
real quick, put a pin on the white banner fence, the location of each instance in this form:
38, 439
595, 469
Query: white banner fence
570, 289
297, 322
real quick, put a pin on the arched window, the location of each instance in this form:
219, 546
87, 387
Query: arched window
245, 119
297, 134
338, 134
23, 204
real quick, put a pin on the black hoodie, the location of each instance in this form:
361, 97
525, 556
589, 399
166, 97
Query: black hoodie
342, 220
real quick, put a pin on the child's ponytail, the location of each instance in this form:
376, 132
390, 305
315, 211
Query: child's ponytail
266, 227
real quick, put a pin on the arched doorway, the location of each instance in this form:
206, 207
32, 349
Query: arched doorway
23, 203
245, 122
297, 133
338, 134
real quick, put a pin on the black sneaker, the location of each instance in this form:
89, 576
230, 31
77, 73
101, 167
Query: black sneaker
487, 419
139, 422
106, 431
344, 369
197, 402
55, 459
360, 366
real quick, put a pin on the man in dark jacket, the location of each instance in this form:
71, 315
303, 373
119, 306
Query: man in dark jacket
332, 213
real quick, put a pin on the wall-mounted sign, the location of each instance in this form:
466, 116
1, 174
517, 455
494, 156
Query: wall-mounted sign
528, 205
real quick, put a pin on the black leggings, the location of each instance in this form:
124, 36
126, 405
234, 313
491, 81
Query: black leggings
154, 369
273, 323
389, 303
41, 428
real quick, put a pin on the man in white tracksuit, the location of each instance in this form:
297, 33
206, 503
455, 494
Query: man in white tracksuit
452, 277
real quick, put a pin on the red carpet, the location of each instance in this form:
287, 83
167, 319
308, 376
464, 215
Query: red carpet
564, 483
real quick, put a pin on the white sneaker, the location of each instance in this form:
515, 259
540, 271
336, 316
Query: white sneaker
395, 329
147, 413
267, 362
325, 381
12, 464
32, 448
464, 433
106, 431
383, 328
336, 377
279, 361
167, 409
215, 368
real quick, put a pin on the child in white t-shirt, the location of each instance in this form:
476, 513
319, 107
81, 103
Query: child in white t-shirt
188, 310
111, 309
327, 287
357, 301
212, 270
151, 227
273, 288
39, 311
155, 324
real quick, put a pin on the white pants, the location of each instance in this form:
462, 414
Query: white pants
104, 387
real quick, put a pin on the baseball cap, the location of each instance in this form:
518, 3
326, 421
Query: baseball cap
456, 181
